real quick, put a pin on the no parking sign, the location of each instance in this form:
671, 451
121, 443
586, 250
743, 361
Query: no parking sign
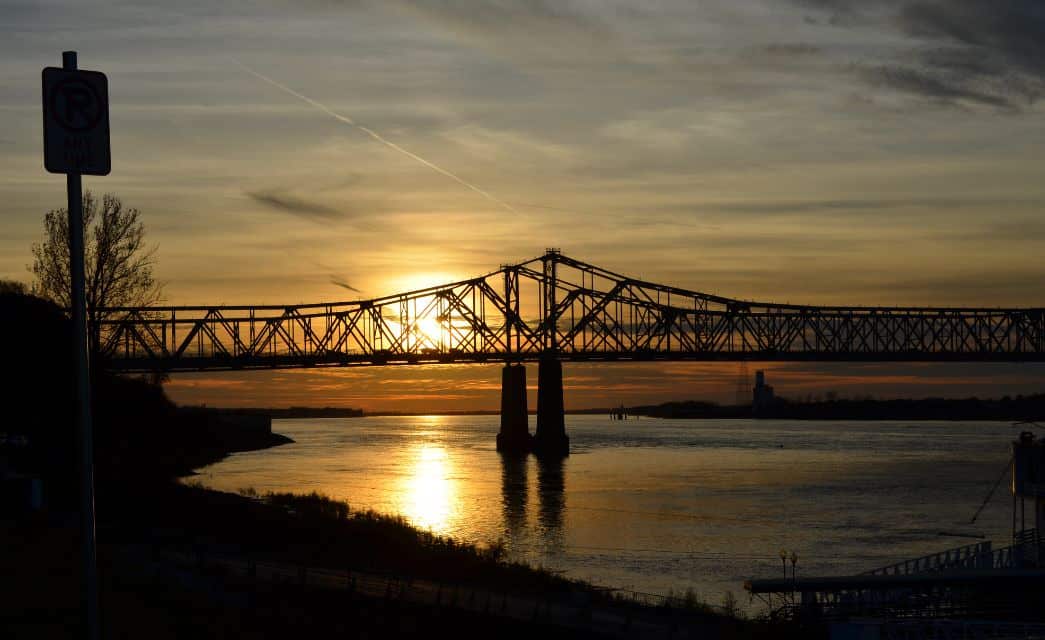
76, 121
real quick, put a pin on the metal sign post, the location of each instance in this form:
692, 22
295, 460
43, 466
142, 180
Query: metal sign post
76, 141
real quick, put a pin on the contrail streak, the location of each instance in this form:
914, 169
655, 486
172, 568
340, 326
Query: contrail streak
376, 136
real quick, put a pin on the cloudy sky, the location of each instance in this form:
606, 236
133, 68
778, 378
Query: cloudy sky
820, 151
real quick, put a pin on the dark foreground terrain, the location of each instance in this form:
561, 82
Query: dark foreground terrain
182, 561
179, 561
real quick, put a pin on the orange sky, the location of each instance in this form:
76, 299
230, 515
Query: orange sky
810, 152
587, 385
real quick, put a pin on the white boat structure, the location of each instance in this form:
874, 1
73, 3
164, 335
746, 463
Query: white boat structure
972, 591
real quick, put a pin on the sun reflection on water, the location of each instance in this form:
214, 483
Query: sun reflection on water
430, 492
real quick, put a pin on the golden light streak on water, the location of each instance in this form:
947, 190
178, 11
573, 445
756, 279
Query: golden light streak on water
430, 493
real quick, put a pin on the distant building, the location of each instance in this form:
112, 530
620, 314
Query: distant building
762, 394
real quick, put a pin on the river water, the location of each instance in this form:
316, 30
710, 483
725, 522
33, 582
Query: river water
656, 505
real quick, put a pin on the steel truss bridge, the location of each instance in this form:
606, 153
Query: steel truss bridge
555, 306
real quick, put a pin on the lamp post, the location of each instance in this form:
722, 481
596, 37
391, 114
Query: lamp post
794, 577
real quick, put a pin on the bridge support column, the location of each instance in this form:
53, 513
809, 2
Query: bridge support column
550, 439
515, 430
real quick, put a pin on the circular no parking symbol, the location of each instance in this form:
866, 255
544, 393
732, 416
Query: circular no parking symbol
76, 105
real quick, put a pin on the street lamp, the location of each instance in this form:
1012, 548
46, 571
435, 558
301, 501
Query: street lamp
794, 578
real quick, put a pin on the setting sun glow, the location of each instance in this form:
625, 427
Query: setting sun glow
429, 332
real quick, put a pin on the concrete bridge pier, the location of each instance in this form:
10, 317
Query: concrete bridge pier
550, 439
515, 430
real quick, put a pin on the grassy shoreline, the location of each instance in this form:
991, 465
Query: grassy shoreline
402, 548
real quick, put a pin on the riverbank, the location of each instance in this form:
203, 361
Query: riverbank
302, 567
305, 529
145, 525
215, 434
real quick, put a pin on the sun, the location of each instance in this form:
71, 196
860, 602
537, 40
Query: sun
429, 330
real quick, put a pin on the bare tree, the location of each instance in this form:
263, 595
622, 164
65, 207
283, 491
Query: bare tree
118, 265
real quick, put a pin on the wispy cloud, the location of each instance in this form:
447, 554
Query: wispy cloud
792, 49
931, 85
815, 207
575, 30
344, 285
989, 53
296, 206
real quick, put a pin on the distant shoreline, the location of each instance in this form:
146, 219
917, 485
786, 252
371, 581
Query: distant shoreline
789, 412
1005, 409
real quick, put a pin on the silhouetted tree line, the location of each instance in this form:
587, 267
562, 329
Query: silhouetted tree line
38, 389
833, 407
284, 413
1031, 407
140, 435
691, 409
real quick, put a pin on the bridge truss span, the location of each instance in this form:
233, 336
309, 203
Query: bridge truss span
556, 306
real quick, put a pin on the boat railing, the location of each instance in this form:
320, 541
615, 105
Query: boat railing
1027, 551
1028, 536
970, 556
